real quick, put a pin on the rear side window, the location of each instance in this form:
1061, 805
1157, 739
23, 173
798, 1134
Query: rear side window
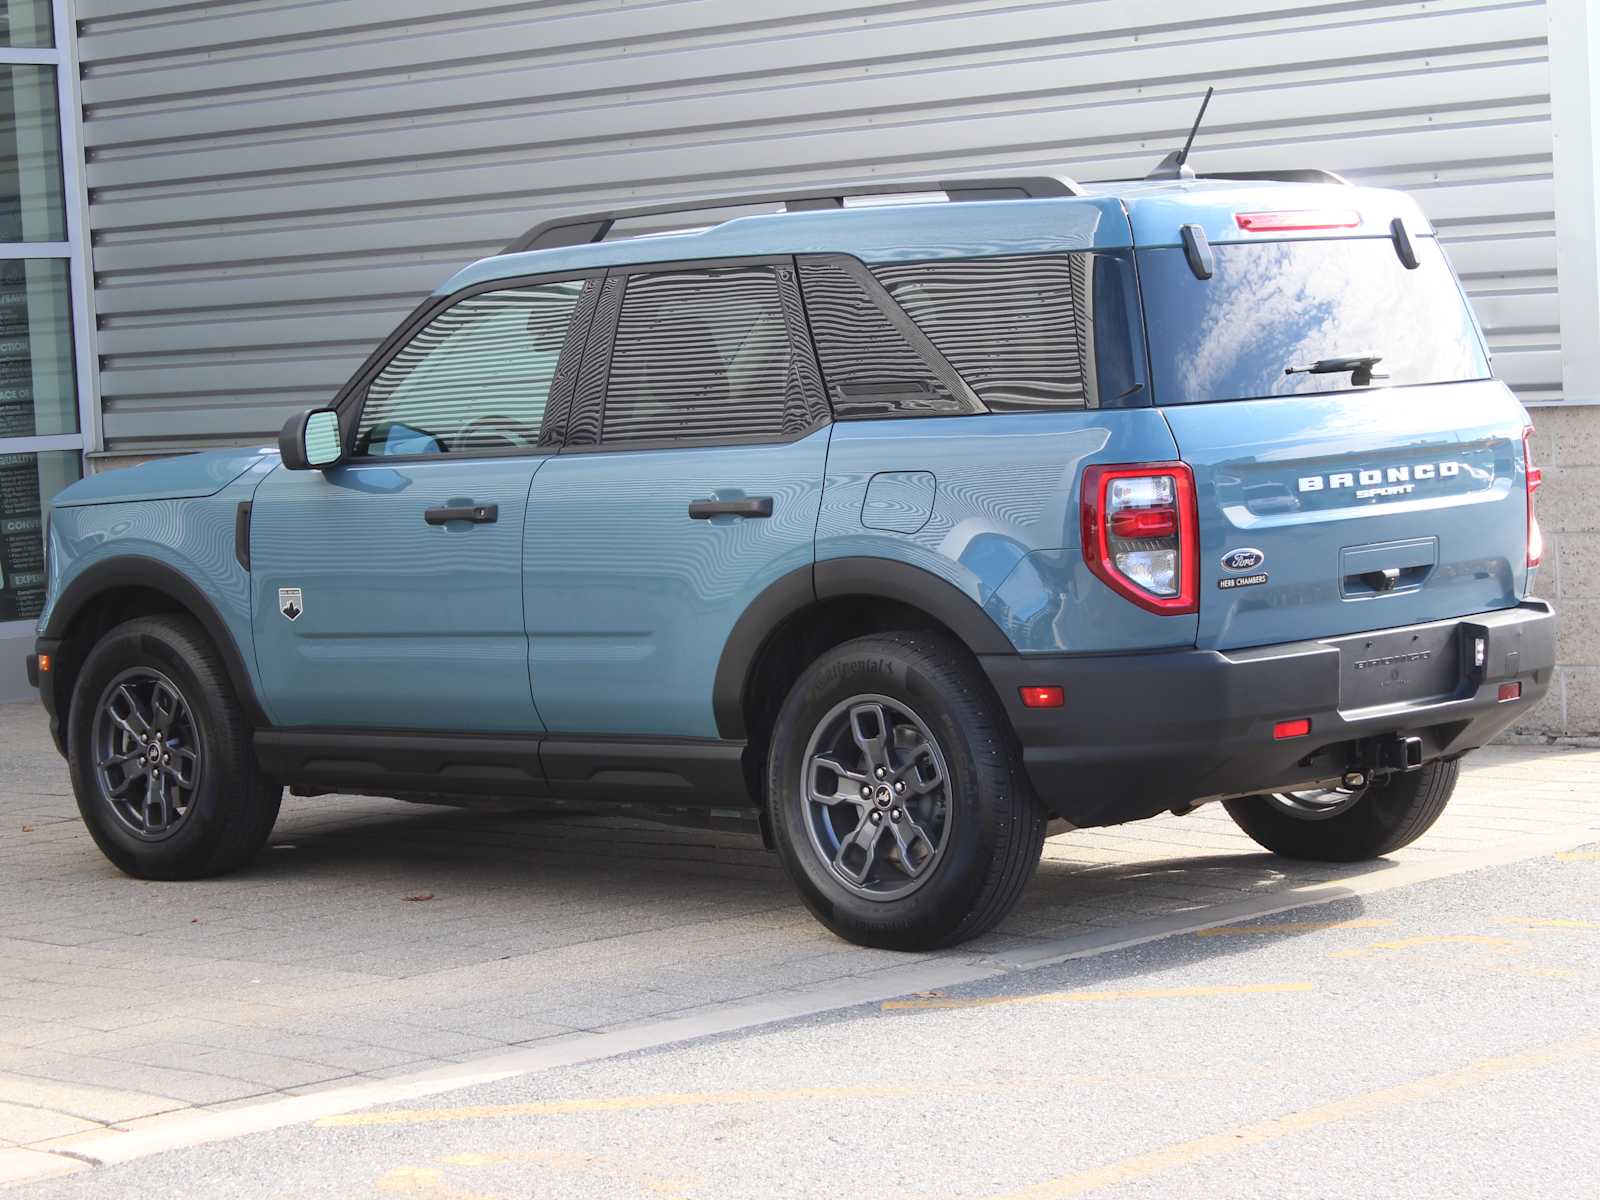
1272, 306
706, 354
475, 378
1015, 328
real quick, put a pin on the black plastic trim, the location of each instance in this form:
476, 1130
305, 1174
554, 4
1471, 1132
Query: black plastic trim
476, 514
778, 601
241, 534
138, 571
33, 670
1143, 733
678, 772
837, 579
748, 506
1404, 247
1197, 250
675, 772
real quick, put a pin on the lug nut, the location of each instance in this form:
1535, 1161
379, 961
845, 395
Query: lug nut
894, 814
899, 785
866, 792
877, 818
881, 772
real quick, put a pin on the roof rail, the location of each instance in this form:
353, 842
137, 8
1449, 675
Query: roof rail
586, 228
1295, 175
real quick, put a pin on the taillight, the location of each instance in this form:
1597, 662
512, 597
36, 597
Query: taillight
1140, 533
1535, 477
1297, 220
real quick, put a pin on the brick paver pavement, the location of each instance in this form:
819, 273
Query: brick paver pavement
322, 964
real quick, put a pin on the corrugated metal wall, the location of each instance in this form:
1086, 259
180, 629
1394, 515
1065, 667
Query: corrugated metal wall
273, 182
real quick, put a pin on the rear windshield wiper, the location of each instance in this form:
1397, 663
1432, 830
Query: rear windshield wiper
1360, 366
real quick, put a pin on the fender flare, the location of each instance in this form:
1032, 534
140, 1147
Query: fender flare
154, 575
837, 579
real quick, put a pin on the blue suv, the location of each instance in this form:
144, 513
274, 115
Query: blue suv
909, 526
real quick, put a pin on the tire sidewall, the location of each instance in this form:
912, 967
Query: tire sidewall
867, 668
157, 648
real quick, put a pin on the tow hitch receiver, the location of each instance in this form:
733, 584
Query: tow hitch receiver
1399, 753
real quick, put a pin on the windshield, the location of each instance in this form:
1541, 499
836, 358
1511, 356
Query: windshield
1271, 306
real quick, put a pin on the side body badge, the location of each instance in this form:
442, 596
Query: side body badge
290, 603
1246, 558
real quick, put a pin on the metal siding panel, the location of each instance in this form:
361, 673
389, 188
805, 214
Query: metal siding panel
274, 186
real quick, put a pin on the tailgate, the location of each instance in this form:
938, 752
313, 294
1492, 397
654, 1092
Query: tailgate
1327, 514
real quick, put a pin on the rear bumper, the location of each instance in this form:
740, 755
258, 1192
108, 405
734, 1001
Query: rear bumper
1142, 733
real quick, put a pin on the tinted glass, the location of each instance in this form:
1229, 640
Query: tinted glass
1015, 328
31, 207
28, 482
870, 368
700, 354
475, 378
37, 389
1274, 305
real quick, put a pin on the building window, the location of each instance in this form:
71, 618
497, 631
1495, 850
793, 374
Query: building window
42, 298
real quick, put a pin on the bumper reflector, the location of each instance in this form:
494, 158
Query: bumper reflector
1284, 730
1043, 697
1510, 691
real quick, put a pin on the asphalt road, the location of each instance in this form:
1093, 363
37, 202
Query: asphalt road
1441, 1039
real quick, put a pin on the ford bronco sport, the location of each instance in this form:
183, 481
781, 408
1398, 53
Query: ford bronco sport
910, 526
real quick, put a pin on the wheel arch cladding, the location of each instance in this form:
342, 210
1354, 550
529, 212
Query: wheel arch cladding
822, 592
89, 605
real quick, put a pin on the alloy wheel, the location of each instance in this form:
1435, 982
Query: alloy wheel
876, 793
147, 753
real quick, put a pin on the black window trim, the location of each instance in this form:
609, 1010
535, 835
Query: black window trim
602, 342
351, 399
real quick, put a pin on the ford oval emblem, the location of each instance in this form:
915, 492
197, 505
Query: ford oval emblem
1245, 559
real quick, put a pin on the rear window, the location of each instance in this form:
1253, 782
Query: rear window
1270, 306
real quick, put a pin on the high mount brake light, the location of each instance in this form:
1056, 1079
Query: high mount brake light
1141, 534
1297, 220
1534, 477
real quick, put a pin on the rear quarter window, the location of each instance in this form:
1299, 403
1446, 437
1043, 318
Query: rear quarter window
1274, 305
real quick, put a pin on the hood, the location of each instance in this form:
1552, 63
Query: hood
175, 478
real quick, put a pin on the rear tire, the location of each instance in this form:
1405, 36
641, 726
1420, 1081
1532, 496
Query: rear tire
161, 757
955, 831
1386, 817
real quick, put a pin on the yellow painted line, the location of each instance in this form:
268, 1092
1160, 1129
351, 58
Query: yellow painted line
1578, 856
1296, 927
1478, 966
422, 1183
1546, 923
662, 1100
1443, 939
1242, 1137
577, 1162
1167, 993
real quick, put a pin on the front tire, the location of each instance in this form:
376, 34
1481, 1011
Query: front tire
1376, 822
160, 755
898, 801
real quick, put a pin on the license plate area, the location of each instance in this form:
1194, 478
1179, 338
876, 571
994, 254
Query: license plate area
1399, 667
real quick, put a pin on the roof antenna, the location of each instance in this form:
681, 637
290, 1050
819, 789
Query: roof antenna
1176, 164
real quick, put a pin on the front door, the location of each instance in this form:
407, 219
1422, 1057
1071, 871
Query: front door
387, 591
690, 480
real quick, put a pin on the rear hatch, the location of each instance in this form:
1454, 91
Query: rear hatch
1330, 503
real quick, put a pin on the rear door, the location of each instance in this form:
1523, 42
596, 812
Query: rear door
1332, 503
689, 480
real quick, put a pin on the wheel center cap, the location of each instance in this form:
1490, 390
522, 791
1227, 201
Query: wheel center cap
883, 797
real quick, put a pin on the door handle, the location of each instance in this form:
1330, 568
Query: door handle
478, 514
747, 506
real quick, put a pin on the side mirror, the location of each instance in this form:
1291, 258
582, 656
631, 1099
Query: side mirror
311, 440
